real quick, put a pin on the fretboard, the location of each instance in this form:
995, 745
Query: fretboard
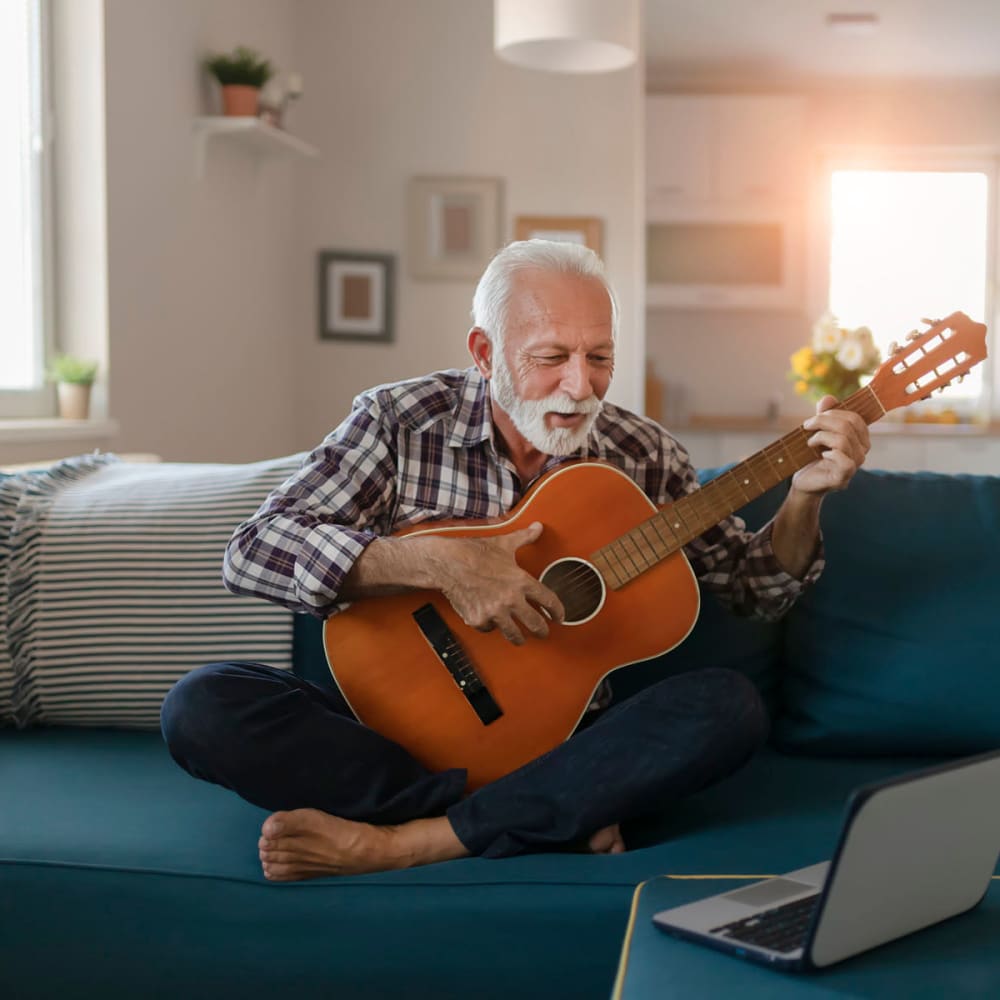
678, 523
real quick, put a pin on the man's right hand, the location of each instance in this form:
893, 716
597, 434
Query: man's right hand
480, 578
484, 584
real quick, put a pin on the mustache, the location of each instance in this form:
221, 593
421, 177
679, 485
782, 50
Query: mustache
560, 403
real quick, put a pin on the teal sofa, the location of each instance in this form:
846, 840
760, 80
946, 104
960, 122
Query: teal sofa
120, 876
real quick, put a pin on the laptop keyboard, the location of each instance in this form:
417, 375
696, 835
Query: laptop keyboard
782, 929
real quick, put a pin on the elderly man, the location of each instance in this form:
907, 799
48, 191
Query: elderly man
468, 444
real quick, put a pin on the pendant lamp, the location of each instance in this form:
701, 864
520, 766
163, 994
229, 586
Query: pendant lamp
567, 36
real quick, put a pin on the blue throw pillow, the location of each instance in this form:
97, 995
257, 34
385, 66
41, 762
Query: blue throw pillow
895, 650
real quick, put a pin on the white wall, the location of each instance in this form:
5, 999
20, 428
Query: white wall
734, 362
397, 89
200, 269
212, 349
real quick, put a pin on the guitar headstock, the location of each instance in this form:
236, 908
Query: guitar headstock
930, 359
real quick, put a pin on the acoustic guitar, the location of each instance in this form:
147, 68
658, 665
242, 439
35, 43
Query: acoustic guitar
453, 696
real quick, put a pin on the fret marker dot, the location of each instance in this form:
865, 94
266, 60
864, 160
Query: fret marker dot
746, 482
780, 460
677, 524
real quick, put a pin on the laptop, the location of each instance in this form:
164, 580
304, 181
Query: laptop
913, 851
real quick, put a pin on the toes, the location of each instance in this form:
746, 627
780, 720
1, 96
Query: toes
607, 841
275, 825
278, 872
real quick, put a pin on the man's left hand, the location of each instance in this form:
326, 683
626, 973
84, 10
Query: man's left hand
844, 440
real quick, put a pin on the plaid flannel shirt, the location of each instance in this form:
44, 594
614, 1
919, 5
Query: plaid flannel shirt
424, 450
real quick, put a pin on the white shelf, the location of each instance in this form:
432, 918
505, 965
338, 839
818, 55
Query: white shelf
255, 136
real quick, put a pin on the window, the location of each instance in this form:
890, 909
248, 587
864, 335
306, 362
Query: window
24, 208
909, 243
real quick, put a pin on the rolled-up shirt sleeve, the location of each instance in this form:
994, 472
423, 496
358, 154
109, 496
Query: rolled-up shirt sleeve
298, 548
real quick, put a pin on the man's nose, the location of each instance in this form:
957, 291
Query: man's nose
576, 378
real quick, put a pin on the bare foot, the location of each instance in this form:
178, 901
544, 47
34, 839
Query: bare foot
607, 841
307, 843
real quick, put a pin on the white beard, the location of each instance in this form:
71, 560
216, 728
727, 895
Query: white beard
528, 415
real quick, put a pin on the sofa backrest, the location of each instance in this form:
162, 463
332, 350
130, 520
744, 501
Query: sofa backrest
896, 649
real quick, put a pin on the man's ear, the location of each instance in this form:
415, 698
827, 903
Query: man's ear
481, 350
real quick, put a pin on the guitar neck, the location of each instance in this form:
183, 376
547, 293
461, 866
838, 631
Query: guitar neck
680, 522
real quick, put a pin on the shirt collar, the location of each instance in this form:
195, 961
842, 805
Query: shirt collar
473, 419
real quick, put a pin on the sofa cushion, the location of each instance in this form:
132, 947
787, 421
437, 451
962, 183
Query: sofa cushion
164, 896
116, 589
894, 650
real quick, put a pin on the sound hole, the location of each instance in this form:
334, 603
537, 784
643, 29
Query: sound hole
578, 585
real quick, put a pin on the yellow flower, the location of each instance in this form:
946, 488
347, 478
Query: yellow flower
802, 361
801, 387
821, 369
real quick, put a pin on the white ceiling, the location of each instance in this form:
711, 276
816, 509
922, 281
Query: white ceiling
720, 42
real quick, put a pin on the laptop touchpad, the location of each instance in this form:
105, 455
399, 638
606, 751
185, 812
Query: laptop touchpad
774, 890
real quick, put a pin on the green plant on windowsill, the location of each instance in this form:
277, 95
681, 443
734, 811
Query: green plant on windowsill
71, 370
73, 377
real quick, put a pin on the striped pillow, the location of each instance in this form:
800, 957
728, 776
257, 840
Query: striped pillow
12, 490
116, 589
10, 487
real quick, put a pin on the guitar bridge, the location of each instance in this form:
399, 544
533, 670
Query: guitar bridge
448, 650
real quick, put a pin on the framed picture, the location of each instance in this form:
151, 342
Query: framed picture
355, 296
453, 225
566, 228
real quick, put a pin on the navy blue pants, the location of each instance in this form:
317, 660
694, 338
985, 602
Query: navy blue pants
284, 743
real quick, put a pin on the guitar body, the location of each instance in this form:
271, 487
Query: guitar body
397, 682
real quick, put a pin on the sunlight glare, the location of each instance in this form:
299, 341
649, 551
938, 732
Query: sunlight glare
908, 245
18, 363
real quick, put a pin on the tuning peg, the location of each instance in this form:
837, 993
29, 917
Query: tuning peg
960, 379
913, 335
893, 348
930, 322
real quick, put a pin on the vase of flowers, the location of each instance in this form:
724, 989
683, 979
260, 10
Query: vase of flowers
834, 363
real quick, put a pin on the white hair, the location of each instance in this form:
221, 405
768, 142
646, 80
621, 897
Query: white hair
492, 297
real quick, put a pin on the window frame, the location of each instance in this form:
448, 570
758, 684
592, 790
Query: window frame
39, 401
957, 159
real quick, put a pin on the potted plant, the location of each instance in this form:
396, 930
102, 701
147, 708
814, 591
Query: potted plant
73, 377
241, 73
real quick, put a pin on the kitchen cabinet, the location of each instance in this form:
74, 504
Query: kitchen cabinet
728, 149
725, 180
